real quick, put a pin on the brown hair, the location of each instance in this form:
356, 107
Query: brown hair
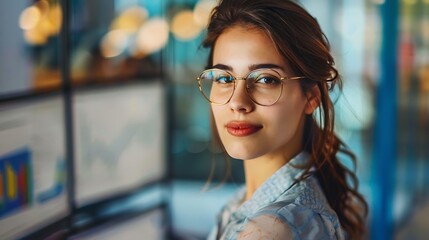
301, 42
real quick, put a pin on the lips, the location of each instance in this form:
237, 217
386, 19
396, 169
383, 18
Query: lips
242, 129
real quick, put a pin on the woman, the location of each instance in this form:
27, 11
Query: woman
269, 71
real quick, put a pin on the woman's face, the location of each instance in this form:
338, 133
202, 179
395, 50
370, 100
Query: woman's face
248, 130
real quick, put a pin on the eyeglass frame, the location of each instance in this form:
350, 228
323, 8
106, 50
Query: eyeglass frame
235, 79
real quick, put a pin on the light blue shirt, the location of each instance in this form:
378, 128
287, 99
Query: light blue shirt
280, 209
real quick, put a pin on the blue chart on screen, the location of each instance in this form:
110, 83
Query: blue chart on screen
119, 139
15, 181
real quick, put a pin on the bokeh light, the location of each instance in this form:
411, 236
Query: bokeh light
151, 37
29, 18
55, 17
35, 37
130, 19
114, 43
202, 12
184, 26
40, 21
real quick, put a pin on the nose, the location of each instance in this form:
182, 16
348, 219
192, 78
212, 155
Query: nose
240, 100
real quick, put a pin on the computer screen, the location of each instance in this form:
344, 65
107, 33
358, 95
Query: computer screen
32, 165
119, 138
150, 225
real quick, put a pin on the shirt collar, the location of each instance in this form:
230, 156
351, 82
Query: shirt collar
272, 188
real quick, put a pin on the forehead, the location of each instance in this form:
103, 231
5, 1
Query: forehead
240, 47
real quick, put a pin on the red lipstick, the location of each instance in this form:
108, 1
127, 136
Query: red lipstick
242, 129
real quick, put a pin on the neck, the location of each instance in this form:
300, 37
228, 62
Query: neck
258, 170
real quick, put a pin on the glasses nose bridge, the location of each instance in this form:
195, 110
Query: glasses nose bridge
241, 78
246, 87
236, 79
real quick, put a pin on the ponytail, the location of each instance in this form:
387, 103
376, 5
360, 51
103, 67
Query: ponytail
339, 183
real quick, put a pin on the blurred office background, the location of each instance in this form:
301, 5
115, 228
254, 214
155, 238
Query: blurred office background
104, 134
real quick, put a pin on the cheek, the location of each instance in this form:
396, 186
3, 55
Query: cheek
285, 120
287, 117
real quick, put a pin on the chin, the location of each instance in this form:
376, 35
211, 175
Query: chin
242, 153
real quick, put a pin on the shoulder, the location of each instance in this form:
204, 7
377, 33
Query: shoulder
266, 226
291, 221
304, 214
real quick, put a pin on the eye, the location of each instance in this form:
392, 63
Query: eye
267, 79
223, 79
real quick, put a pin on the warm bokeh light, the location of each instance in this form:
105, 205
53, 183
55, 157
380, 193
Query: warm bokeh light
130, 19
29, 18
184, 26
40, 21
55, 17
46, 27
35, 37
114, 43
202, 12
43, 6
151, 37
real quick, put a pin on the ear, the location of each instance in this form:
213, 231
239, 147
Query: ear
313, 99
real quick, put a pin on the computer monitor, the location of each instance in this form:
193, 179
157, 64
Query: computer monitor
150, 225
119, 139
33, 168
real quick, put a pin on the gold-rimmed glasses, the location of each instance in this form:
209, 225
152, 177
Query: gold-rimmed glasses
264, 86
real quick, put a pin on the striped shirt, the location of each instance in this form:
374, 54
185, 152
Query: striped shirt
280, 209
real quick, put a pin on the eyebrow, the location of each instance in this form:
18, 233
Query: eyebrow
251, 67
223, 67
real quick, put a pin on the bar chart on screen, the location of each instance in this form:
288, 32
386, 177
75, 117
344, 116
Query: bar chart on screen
32, 166
58, 186
15, 181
